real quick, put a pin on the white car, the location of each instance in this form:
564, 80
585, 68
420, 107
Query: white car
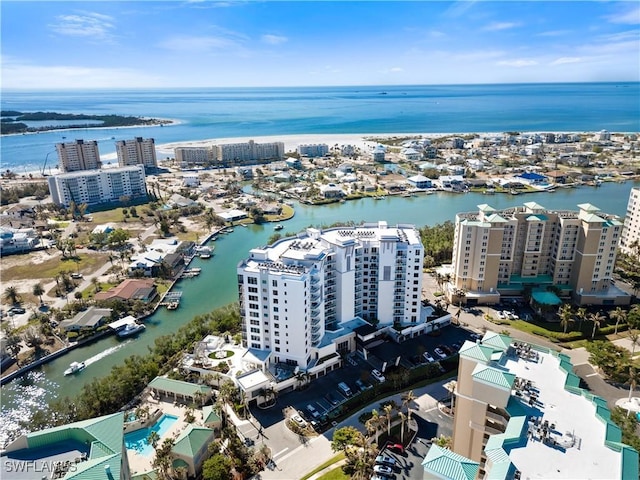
428, 357
440, 353
299, 420
312, 411
377, 375
383, 469
385, 460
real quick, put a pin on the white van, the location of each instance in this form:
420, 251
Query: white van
344, 388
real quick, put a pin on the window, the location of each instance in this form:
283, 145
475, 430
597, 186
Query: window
274, 283
252, 281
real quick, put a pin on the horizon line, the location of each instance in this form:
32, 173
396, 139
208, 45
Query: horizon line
399, 85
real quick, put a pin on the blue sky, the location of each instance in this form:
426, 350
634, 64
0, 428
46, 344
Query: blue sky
122, 44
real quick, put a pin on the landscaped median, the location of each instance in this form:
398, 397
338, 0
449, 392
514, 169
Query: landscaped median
326, 465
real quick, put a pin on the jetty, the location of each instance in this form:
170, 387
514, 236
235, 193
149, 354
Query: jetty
171, 300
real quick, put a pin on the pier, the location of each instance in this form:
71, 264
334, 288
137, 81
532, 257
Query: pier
171, 300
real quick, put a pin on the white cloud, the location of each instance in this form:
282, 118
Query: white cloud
84, 24
629, 17
497, 26
396, 69
186, 43
553, 33
274, 39
519, 63
565, 60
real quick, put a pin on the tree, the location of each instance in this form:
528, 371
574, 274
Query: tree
96, 284
634, 376
442, 441
403, 419
388, 408
153, 439
11, 295
619, 315
118, 237
344, 437
597, 319
566, 316
407, 399
162, 460
38, 291
582, 315
218, 467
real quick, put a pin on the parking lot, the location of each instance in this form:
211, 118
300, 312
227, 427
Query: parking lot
324, 396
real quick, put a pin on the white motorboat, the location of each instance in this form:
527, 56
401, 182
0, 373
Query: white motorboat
131, 329
75, 367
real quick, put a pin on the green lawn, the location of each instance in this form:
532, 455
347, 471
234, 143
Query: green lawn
329, 462
335, 474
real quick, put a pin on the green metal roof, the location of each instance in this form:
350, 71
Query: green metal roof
178, 386
447, 464
209, 415
191, 441
476, 351
545, 298
496, 340
493, 376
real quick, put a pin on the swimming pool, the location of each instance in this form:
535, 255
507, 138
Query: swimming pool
137, 440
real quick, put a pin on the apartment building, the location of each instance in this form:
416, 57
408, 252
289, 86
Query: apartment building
519, 413
98, 186
313, 149
78, 155
196, 155
248, 153
297, 293
523, 248
631, 231
137, 151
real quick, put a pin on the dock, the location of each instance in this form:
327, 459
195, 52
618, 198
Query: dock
171, 300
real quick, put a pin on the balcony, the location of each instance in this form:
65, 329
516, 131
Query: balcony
315, 338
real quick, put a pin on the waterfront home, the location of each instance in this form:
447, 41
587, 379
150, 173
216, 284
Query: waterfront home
86, 450
331, 190
419, 181
233, 215
130, 289
17, 240
89, 319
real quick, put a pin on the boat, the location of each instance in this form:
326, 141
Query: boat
205, 255
278, 227
173, 306
130, 329
75, 367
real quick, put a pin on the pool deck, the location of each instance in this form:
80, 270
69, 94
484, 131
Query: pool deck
139, 463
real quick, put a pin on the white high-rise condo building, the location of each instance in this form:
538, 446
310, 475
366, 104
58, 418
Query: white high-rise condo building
137, 151
295, 294
232, 154
98, 186
313, 150
196, 155
532, 249
630, 241
78, 155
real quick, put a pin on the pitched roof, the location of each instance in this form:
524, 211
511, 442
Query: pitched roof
493, 376
447, 464
476, 351
127, 289
209, 415
496, 340
178, 386
191, 441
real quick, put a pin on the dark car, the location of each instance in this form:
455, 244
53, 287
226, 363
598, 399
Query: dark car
445, 349
332, 398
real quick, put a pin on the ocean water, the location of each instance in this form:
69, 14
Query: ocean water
234, 112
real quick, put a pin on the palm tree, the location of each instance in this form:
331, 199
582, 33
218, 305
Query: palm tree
38, 291
619, 315
582, 315
11, 295
633, 337
634, 377
153, 439
388, 408
403, 419
407, 399
597, 319
96, 284
566, 316
375, 421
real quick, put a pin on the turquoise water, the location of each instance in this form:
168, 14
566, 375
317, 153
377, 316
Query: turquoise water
137, 440
207, 113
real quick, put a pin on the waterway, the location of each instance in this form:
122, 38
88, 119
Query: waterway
216, 285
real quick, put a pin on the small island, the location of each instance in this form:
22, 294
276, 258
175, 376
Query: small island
13, 121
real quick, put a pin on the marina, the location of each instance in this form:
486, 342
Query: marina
171, 300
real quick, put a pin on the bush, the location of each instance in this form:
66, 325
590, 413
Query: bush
71, 336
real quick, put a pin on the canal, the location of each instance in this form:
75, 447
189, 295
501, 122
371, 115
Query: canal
216, 285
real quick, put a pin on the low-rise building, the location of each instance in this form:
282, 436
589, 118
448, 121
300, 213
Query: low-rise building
89, 319
313, 150
17, 240
130, 289
419, 181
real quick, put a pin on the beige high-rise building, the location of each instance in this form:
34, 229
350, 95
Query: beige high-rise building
532, 249
631, 230
78, 155
232, 154
137, 151
519, 413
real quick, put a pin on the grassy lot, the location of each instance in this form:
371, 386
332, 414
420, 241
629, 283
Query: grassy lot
329, 462
54, 266
287, 213
335, 474
115, 214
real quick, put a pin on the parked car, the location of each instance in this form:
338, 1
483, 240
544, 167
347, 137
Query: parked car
385, 460
312, 411
361, 385
440, 353
447, 350
299, 420
395, 447
332, 398
383, 469
427, 356
17, 310
76, 275
344, 388
378, 376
